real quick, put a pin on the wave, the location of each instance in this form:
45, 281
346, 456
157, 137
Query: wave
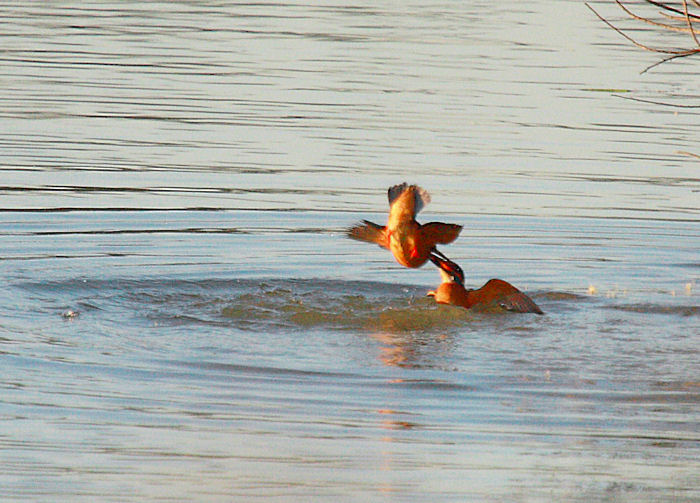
400, 310
298, 304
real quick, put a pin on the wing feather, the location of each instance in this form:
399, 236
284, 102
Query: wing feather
439, 233
421, 198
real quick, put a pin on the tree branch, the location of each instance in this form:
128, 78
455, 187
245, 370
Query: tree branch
687, 19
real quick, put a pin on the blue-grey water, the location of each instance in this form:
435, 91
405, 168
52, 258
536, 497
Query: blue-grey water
183, 319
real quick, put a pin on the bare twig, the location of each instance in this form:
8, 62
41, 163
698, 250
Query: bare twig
655, 23
638, 44
687, 19
655, 102
690, 24
669, 58
672, 9
646, 48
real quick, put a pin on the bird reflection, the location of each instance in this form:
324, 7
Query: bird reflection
390, 423
395, 352
409, 351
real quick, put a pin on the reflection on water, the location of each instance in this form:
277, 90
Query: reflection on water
171, 372
201, 330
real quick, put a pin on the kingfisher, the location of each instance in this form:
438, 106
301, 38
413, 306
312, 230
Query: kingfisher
411, 243
496, 294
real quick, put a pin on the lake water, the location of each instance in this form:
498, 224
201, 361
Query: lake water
184, 320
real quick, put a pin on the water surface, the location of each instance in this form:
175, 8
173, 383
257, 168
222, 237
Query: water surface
184, 320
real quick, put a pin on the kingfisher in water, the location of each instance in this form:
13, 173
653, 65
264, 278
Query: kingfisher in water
411, 243
496, 294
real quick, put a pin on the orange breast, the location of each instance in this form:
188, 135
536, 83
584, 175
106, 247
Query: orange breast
405, 245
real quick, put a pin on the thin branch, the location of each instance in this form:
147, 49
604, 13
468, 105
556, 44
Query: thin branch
675, 56
642, 46
672, 17
655, 23
669, 8
690, 24
638, 44
687, 19
655, 102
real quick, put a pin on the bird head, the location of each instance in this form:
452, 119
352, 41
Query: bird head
449, 271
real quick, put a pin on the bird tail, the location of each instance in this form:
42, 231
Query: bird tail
369, 232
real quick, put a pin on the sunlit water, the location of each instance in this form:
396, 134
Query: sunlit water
184, 320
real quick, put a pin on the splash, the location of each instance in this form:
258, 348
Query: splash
338, 305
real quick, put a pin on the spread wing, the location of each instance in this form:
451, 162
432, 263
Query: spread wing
439, 233
421, 198
508, 297
519, 303
497, 292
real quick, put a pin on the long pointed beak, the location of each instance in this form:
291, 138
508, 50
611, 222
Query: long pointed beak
450, 268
